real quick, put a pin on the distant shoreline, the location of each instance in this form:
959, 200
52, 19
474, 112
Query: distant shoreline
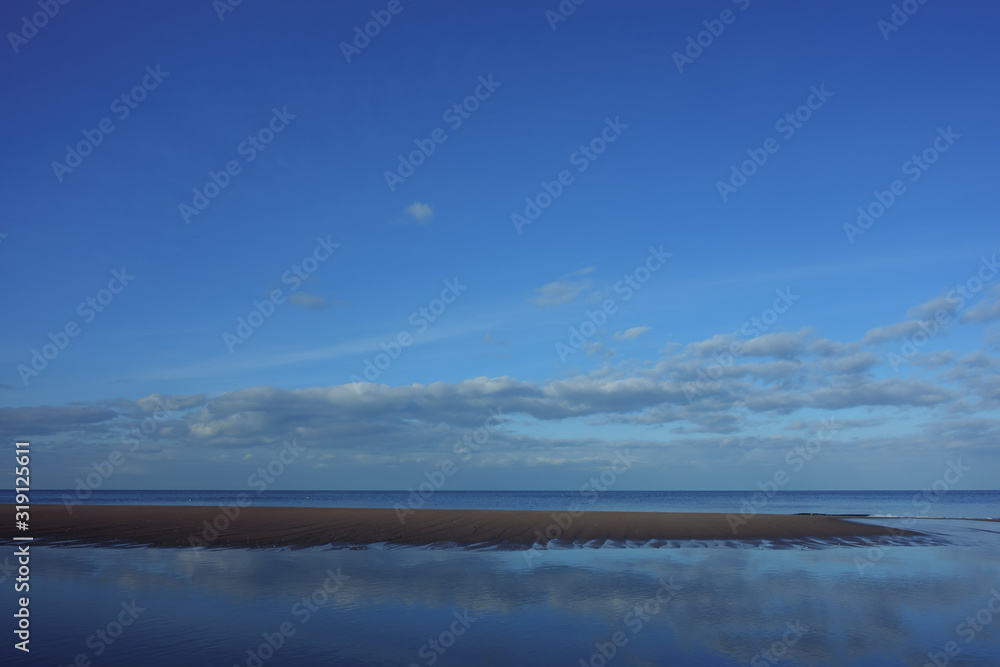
243, 527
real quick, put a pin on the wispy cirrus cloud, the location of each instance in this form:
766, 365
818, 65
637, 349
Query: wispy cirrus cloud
308, 300
564, 290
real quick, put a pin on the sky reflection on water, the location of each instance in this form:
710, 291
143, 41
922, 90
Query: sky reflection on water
858, 606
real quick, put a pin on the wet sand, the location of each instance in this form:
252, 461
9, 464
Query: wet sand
184, 526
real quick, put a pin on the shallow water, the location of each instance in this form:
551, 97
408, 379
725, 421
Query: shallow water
865, 605
924, 502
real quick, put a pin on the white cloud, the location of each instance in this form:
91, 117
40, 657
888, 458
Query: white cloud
893, 331
595, 348
307, 300
688, 389
420, 212
493, 341
986, 310
855, 363
783, 345
631, 333
928, 309
563, 290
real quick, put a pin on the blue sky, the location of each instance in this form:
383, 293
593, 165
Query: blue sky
642, 140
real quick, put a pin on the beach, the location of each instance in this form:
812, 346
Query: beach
234, 526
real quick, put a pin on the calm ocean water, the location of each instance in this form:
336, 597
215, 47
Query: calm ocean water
921, 503
878, 604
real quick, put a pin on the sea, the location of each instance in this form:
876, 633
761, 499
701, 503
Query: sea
929, 502
929, 602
